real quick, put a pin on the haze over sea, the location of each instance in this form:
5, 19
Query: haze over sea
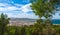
54, 21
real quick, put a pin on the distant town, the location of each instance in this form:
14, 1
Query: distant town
22, 21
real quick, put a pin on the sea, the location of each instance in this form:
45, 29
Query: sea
56, 21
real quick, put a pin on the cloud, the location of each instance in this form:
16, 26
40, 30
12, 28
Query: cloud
23, 15
7, 7
17, 10
13, 9
26, 8
1, 4
56, 16
18, 5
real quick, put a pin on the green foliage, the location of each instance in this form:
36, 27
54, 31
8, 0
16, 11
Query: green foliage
3, 23
23, 30
44, 8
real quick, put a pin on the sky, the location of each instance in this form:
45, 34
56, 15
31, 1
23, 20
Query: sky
19, 9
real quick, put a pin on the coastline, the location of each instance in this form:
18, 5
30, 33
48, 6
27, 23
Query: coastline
56, 24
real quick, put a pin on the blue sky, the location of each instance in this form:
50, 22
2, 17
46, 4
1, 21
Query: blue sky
18, 9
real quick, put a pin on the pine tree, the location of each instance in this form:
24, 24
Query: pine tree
3, 23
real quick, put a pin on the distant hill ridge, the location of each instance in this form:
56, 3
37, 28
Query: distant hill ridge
13, 19
23, 19
54, 21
